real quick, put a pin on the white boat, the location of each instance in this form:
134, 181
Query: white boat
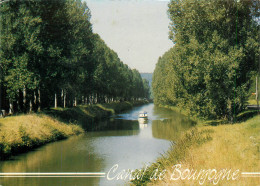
142, 121
143, 114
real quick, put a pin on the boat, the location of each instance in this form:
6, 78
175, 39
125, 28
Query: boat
142, 121
143, 114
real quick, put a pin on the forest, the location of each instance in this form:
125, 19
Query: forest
215, 56
50, 57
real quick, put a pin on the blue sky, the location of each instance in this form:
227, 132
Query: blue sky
136, 29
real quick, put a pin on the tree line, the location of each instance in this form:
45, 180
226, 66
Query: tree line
216, 52
50, 57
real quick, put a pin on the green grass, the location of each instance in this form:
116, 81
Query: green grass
243, 116
252, 102
25, 132
176, 153
231, 146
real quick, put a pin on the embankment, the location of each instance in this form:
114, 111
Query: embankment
22, 133
206, 147
88, 115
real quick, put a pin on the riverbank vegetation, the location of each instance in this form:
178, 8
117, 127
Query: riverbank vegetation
209, 70
209, 75
229, 146
88, 115
25, 132
50, 57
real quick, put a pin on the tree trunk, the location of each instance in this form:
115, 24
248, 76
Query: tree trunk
1, 99
11, 109
31, 106
256, 89
24, 100
64, 100
39, 100
34, 97
87, 99
83, 100
62, 97
75, 102
18, 104
55, 101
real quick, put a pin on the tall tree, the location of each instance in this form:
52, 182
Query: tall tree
214, 54
50, 56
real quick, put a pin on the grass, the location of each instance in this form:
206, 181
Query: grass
82, 114
252, 102
24, 132
175, 154
88, 115
229, 146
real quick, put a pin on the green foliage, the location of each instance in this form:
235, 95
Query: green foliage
127, 84
5, 149
146, 91
208, 71
48, 50
26, 141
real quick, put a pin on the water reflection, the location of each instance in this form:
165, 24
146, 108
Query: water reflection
169, 124
124, 140
113, 124
72, 155
142, 121
170, 129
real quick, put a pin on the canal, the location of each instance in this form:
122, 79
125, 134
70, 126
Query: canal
121, 139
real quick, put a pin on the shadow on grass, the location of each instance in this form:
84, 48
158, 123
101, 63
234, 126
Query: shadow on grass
82, 115
88, 115
243, 116
216, 122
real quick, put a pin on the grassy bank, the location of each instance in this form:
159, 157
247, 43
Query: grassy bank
227, 146
252, 102
24, 132
88, 115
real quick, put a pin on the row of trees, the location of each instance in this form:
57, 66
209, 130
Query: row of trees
216, 52
49, 56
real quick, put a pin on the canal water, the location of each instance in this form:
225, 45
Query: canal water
123, 140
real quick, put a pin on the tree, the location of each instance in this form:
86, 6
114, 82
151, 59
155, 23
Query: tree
146, 92
213, 57
19, 32
49, 54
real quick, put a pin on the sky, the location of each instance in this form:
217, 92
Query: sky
137, 30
